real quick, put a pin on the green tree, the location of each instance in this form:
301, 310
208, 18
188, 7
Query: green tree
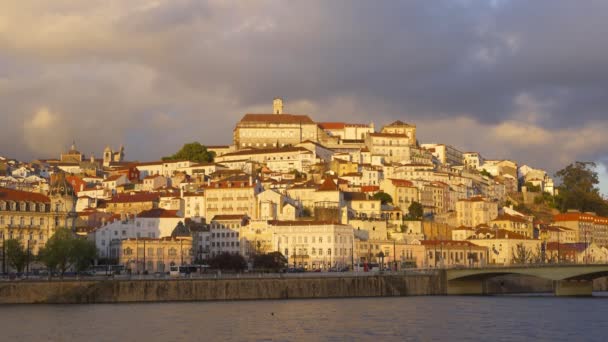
193, 152
578, 189
531, 187
64, 250
83, 254
485, 172
228, 261
16, 255
415, 211
383, 197
274, 261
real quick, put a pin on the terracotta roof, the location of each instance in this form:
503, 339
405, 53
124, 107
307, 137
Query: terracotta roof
507, 217
573, 216
401, 182
158, 213
18, 195
328, 185
332, 125
266, 151
277, 118
370, 188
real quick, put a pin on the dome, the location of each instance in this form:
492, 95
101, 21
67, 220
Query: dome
181, 231
60, 186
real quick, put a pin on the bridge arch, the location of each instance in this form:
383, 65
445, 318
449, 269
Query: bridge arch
567, 279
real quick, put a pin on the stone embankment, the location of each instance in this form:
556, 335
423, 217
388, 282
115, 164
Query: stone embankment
160, 290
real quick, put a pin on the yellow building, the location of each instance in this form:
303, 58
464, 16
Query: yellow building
403, 192
446, 253
132, 203
277, 129
399, 127
514, 224
393, 253
32, 218
475, 211
152, 255
342, 167
233, 196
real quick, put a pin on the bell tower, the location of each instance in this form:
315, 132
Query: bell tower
277, 105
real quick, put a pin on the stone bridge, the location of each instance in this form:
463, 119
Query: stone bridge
568, 280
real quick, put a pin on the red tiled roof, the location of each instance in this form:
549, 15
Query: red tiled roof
573, 217
158, 213
277, 118
328, 185
266, 151
332, 125
370, 188
401, 182
507, 217
18, 195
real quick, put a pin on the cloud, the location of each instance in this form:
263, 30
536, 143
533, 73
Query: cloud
44, 132
152, 75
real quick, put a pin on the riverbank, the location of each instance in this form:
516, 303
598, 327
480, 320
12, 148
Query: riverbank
161, 290
305, 286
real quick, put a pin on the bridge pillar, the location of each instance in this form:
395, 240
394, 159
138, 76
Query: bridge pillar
466, 287
573, 288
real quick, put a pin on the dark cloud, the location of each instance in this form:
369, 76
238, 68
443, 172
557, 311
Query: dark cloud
153, 75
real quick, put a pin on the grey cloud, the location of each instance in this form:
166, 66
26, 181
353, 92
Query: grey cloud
153, 77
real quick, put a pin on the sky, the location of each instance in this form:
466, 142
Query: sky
524, 80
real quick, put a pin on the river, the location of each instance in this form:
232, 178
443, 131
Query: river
497, 318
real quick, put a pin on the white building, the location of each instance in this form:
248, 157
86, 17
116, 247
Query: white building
154, 223
313, 245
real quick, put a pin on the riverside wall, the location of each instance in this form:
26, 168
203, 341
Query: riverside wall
160, 290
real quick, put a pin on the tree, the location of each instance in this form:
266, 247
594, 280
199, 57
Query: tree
16, 255
228, 261
578, 189
383, 197
415, 211
274, 261
83, 254
64, 251
193, 152
531, 187
521, 254
485, 172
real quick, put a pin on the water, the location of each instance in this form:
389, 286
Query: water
362, 319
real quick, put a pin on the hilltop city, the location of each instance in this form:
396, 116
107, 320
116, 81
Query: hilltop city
327, 196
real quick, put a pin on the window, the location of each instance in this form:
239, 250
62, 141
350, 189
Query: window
172, 251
